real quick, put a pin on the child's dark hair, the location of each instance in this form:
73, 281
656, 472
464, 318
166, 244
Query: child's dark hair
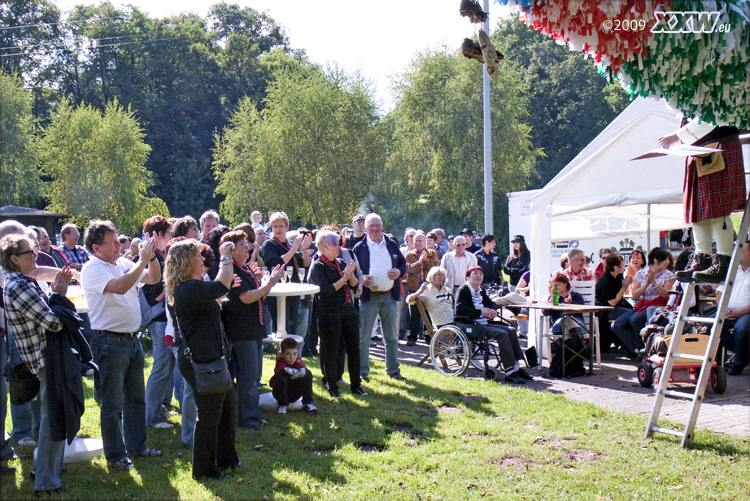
288, 343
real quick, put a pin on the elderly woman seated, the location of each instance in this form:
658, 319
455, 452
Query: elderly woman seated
474, 304
437, 298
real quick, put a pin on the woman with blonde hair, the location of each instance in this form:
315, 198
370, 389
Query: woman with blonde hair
199, 320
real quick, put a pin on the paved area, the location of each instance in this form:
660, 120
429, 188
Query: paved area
614, 385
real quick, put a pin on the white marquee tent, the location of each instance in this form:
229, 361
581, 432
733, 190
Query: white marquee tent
601, 193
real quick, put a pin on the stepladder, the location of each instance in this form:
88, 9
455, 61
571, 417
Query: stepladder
685, 349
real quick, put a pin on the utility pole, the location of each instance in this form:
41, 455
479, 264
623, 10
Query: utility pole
488, 219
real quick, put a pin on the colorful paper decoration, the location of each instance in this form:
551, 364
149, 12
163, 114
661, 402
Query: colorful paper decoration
704, 74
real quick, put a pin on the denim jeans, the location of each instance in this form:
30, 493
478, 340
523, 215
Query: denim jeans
49, 454
248, 364
5, 447
628, 327
369, 310
25, 417
161, 373
303, 322
737, 341
403, 318
188, 409
123, 412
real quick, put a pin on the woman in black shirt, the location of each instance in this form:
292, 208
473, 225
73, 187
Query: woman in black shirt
244, 320
337, 316
199, 318
610, 291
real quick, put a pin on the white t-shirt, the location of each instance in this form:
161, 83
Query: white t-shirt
109, 311
380, 264
740, 297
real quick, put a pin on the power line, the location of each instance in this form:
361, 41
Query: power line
94, 47
59, 22
80, 39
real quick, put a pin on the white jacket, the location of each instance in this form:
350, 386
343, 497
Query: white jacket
449, 263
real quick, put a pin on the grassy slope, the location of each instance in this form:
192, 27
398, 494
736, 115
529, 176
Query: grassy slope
430, 437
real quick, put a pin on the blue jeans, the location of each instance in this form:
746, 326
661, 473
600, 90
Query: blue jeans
120, 360
25, 417
5, 447
369, 310
404, 319
248, 365
188, 409
737, 341
303, 322
628, 327
161, 373
49, 454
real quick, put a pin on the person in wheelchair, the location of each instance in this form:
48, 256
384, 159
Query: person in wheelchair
474, 304
438, 299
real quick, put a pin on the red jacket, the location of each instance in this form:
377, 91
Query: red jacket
281, 364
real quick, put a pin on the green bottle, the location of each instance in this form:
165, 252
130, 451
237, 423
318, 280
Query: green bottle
555, 297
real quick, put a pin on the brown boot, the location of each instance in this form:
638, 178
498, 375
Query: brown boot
717, 272
698, 262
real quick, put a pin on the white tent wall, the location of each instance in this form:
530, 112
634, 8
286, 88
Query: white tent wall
601, 193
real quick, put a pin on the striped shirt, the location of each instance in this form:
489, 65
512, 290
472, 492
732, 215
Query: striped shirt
29, 316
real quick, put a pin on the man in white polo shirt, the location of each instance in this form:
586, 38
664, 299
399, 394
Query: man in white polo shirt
738, 314
109, 283
382, 264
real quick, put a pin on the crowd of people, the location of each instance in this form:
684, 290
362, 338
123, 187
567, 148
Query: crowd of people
200, 290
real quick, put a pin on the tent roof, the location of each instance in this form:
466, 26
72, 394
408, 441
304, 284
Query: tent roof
581, 198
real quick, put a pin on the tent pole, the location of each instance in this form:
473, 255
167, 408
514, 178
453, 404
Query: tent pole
648, 227
488, 223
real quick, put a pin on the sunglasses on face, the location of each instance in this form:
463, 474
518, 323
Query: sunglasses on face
25, 252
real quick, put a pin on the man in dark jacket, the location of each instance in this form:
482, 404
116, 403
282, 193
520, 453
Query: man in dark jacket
382, 265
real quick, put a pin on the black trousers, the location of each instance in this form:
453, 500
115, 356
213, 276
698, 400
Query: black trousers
215, 434
507, 341
415, 322
286, 389
335, 330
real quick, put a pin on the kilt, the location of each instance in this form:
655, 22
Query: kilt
717, 194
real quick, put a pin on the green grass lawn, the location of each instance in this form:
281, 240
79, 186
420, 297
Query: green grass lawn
430, 437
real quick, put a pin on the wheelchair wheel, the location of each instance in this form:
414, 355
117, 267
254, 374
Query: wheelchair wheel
450, 351
477, 354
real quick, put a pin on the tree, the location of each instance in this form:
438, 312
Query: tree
97, 165
21, 181
572, 103
436, 162
311, 151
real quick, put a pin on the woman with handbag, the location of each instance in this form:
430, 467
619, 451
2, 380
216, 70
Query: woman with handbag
204, 354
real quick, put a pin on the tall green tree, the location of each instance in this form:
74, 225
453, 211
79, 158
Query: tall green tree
312, 151
437, 157
19, 167
571, 102
97, 165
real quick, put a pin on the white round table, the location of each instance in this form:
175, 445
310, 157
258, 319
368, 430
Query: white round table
280, 292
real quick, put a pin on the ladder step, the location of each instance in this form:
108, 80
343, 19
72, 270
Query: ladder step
678, 394
689, 356
700, 320
668, 431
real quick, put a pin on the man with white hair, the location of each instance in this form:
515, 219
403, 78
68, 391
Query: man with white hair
382, 265
576, 271
456, 263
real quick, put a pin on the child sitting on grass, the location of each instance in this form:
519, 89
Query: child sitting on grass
291, 379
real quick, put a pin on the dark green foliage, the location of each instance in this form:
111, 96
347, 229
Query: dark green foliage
571, 102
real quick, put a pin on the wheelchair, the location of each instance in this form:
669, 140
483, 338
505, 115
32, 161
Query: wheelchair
454, 347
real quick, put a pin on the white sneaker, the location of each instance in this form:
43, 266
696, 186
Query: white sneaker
282, 409
311, 409
163, 426
27, 441
490, 55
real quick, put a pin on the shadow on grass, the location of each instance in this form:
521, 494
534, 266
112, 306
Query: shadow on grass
394, 414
